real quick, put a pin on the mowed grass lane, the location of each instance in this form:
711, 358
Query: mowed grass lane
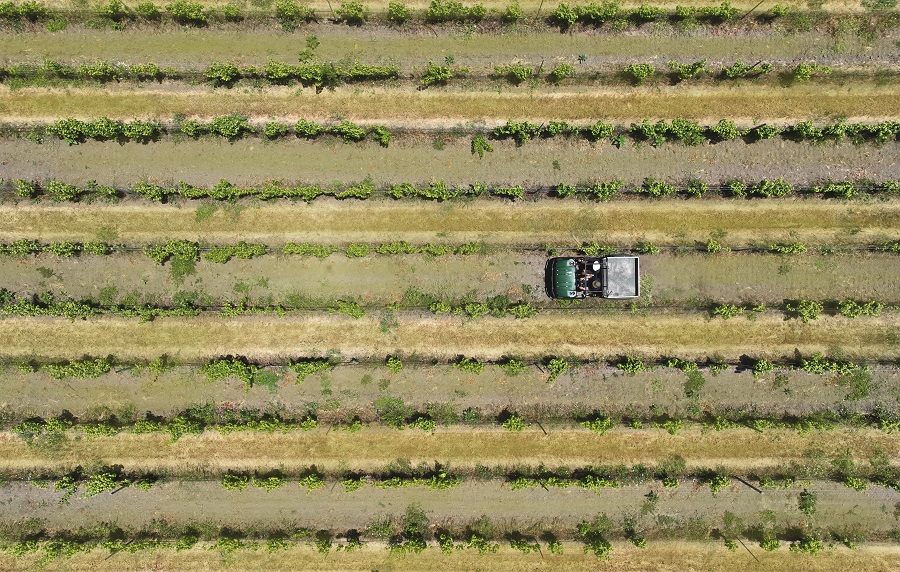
658, 555
371, 449
407, 106
584, 334
491, 222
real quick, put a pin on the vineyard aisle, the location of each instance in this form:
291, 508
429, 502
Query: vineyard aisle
691, 335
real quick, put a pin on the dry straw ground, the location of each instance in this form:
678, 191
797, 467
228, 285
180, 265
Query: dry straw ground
737, 450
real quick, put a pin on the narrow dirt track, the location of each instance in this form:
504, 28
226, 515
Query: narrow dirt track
371, 449
491, 222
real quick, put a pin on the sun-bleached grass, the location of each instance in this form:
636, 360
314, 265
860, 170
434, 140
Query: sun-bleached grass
492, 222
387, 106
587, 334
373, 448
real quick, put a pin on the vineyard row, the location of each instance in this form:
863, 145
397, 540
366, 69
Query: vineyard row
236, 126
186, 251
438, 477
693, 187
410, 534
291, 15
46, 304
328, 75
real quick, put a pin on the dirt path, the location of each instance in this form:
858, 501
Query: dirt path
446, 157
332, 508
687, 335
197, 48
668, 278
492, 222
737, 450
660, 556
395, 106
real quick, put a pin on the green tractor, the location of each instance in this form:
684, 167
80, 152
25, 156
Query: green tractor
573, 278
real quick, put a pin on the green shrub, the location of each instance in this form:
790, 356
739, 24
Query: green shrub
511, 14
306, 249
762, 367
25, 189
398, 13
726, 130
349, 308
631, 365
514, 424
308, 129
222, 73
437, 75
348, 131
739, 69
185, 12
808, 545
308, 367
806, 310
563, 16
357, 250
235, 482
352, 12
440, 11
728, 311
394, 364
639, 72
223, 368
853, 309
291, 15
80, 369
600, 425
718, 482
147, 10
193, 128
232, 13
787, 248
688, 71
515, 73
480, 146
470, 365
231, 126
381, 135
647, 13
275, 130
805, 71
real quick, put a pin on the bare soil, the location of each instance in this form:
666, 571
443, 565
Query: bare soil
331, 508
382, 280
197, 48
447, 157
352, 390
